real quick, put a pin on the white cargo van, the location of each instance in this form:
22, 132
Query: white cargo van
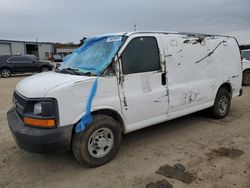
246, 67
118, 83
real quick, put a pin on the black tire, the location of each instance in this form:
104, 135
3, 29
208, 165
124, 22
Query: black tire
246, 78
45, 69
222, 104
5, 72
81, 141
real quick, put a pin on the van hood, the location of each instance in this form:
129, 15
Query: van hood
38, 85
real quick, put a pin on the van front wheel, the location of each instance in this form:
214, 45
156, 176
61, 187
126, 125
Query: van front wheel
99, 142
222, 104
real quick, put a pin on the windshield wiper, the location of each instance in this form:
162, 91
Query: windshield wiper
69, 70
74, 71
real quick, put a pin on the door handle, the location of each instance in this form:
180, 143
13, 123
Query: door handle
163, 79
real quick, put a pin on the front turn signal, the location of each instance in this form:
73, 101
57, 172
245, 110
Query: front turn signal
43, 123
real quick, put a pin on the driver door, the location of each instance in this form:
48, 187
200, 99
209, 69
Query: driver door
142, 83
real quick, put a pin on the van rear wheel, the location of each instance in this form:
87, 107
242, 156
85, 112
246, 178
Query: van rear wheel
99, 142
246, 78
222, 104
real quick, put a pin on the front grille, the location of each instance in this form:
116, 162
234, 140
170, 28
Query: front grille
19, 99
19, 103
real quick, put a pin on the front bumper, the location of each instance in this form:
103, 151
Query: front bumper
39, 140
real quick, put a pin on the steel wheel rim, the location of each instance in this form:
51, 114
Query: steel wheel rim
5, 73
223, 103
100, 142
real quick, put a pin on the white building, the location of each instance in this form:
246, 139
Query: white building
39, 49
63, 51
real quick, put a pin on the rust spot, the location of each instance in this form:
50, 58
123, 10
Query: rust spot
121, 80
124, 101
193, 41
190, 97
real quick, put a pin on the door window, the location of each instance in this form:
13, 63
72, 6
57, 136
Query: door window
141, 55
20, 59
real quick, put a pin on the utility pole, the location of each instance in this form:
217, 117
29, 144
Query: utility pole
134, 27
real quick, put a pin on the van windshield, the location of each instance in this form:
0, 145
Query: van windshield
93, 56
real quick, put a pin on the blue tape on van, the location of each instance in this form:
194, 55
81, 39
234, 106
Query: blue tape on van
87, 118
93, 57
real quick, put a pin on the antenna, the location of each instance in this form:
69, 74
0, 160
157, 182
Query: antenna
134, 27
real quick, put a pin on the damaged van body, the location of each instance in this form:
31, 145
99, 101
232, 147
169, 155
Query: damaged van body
118, 83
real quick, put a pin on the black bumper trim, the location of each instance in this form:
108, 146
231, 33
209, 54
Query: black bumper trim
39, 140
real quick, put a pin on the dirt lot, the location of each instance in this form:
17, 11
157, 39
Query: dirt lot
203, 145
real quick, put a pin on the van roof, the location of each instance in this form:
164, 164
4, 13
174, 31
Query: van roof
167, 32
179, 33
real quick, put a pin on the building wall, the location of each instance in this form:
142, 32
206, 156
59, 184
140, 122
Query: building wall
5, 48
9, 47
44, 50
64, 51
17, 48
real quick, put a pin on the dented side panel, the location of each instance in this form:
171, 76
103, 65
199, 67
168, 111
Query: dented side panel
197, 67
188, 80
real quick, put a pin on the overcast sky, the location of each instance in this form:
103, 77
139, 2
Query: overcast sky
70, 20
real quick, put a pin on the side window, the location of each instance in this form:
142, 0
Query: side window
13, 59
141, 55
20, 59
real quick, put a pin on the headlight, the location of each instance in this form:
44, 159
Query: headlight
43, 113
38, 108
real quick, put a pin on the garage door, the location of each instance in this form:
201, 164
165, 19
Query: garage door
5, 49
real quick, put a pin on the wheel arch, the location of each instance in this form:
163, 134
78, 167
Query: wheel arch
8, 67
226, 86
114, 113
45, 65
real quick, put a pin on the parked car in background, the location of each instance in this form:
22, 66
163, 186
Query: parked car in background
246, 67
32, 56
11, 64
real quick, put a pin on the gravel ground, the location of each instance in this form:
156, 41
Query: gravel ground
215, 152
